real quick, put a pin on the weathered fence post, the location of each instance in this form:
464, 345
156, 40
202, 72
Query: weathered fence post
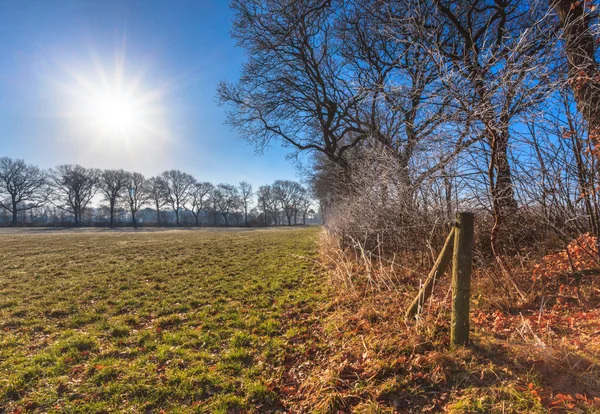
438, 269
461, 278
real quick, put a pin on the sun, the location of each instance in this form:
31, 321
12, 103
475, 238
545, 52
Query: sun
115, 109
115, 113
107, 104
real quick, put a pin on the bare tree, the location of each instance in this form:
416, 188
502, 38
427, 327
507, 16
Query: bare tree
288, 194
21, 187
199, 196
113, 184
157, 188
179, 186
304, 204
225, 198
265, 197
74, 187
245, 197
138, 194
293, 88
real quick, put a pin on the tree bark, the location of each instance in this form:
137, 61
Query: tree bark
504, 192
15, 218
112, 213
580, 48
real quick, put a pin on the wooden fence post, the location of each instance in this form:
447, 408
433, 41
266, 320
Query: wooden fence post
461, 278
438, 269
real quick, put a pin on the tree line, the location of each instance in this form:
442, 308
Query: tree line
66, 195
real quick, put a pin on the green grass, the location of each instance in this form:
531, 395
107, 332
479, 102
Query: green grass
181, 321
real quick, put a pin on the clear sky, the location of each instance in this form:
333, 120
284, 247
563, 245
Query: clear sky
124, 84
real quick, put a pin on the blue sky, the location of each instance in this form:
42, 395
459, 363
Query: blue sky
171, 53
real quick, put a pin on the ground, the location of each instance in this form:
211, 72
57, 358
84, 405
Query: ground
180, 321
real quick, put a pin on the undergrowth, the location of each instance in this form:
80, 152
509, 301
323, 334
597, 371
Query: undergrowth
370, 360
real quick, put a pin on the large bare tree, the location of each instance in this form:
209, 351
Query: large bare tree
293, 88
21, 187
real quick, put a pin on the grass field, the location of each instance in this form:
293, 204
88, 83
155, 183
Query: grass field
180, 321
253, 321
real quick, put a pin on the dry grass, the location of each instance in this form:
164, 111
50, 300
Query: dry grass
370, 360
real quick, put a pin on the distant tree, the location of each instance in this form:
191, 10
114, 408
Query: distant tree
304, 204
287, 193
21, 187
213, 199
245, 198
264, 200
226, 199
179, 185
113, 183
138, 194
157, 189
198, 199
74, 187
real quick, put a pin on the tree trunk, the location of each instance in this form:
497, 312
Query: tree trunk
15, 218
584, 77
580, 48
134, 221
177, 217
503, 191
157, 214
112, 213
502, 198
